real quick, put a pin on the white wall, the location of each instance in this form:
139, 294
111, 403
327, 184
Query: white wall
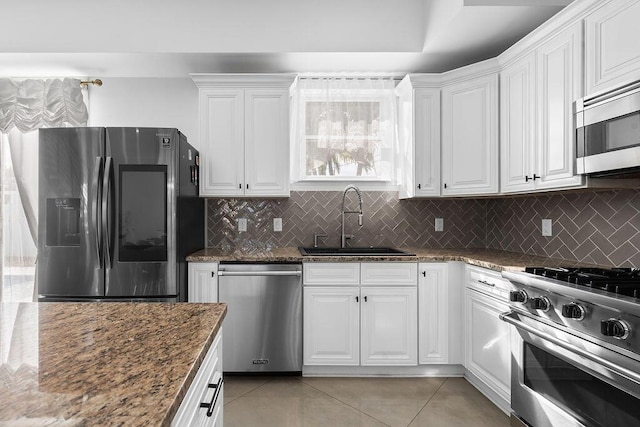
146, 102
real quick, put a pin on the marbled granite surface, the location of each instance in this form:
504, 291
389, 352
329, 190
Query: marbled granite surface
107, 364
489, 258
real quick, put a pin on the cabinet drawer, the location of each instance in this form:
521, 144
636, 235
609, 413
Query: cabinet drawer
389, 273
488, 281
210, 372
334, 273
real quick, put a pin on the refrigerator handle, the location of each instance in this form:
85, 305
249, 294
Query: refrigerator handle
97, 214
106, 208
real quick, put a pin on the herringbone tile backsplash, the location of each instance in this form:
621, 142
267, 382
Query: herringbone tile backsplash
601, 227
387, 221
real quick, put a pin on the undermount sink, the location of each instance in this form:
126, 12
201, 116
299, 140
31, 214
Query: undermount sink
367, 251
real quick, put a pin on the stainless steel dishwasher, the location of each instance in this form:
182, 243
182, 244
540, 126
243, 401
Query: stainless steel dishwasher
263, 326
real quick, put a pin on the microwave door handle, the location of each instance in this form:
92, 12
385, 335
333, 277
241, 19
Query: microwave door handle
96, 185
107, 222
509, 317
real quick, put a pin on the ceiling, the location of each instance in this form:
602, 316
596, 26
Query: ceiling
166, 38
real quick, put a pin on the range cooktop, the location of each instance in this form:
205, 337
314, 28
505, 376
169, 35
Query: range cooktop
622, 281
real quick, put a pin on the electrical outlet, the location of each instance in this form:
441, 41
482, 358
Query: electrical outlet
277, 224
439, 224
242, 224
546, 228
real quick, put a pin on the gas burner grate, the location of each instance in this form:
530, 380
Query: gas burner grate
622, 281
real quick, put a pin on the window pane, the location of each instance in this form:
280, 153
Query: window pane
343, 138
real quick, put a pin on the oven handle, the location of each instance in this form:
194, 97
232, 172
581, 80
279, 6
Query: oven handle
509, 318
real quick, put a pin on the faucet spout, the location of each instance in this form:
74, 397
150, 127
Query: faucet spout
344, 237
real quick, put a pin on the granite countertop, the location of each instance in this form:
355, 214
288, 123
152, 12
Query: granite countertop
487, 258
107, 364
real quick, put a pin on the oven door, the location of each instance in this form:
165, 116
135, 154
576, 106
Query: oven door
561, 379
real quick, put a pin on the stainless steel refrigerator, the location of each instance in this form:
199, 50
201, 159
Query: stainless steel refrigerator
118, 212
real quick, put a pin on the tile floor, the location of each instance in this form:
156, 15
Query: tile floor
298, 401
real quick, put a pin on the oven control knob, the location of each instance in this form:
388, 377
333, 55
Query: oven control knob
541, 303
615, 328
573, 311
518, 296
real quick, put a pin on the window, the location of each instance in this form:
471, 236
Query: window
344, 129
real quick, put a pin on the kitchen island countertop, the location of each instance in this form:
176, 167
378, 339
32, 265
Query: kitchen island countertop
488, 258
108, 364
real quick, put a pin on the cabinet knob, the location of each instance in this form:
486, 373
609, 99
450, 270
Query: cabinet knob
445, 186
535, 177
419, 186
365, 299
357, 299
527, 178
424, 274
240, 186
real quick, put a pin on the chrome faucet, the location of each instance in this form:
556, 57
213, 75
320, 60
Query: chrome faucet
344, 237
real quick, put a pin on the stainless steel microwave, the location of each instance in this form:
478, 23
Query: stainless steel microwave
608, 131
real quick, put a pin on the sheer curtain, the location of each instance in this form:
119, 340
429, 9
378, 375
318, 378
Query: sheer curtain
343, 128
25, 106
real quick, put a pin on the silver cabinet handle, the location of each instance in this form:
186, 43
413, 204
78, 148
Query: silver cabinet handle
484, 282
509, 318
259, 273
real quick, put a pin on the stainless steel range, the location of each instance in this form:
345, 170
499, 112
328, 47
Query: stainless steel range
576, 360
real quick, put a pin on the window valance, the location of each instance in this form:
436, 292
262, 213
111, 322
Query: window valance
30, 104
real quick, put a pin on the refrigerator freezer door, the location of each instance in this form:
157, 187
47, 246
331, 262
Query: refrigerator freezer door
69, 261
139, 212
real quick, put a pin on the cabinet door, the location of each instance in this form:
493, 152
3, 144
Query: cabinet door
427, 142
470, 137
433, 314
488, 345
266, 139
331, 325
517, 125
389, 321
202, 282
612, 50
559, 75
222, 142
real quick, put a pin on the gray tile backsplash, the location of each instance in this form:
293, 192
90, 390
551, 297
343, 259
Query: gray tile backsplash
387, 221
601, 227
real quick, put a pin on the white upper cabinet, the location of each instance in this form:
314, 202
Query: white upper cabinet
419, 135
537, 92
559, 83
517, 125
470, 136
266, 142
612, 51
244, 134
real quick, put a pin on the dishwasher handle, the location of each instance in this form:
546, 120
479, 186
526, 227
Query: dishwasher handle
259, 273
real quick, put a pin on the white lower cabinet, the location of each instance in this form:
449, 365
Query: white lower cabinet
439, 307
331, 332
389, 326
202, 282
203, 403
487, 338
357, 325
